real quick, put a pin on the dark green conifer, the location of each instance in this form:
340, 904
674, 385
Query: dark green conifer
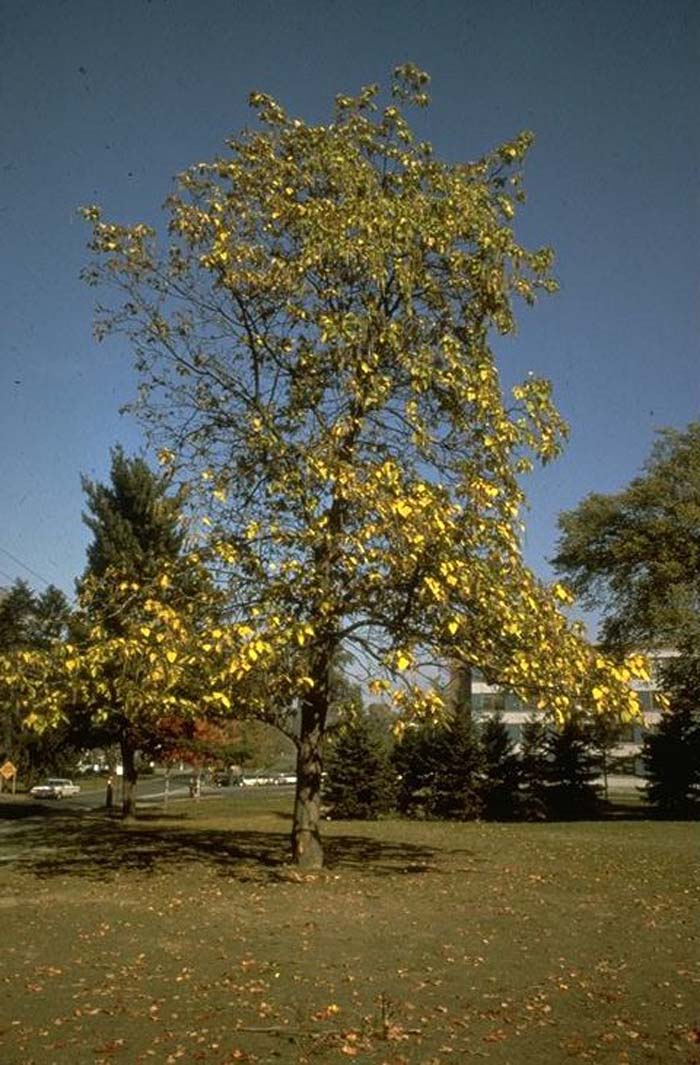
360, 781
572, 769
534, 769
501, 772
672, 749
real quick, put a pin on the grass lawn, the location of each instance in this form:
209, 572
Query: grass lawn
188, 939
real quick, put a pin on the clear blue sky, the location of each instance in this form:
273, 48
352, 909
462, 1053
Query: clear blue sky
104, 100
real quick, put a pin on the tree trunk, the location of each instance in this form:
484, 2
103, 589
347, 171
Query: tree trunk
129, 777
459, 688
307, 851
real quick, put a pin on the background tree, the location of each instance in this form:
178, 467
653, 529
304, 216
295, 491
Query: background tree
439, 765
31, 621
534, 768
672, 749
457, 788
571, 771
635, 554
500, 787
314, 354
414, 762
143, 600
604, 736
360, 775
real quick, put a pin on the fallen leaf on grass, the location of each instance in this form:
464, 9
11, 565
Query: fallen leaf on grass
496, 1036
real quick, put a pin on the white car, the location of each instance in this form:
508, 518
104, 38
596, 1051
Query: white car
55, 788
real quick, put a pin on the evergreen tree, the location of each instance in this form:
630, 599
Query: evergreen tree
501, 771
672, 750
571, 771
456, 791
672, 762
413, 764
360, 781
134, 522
30, 620
17, 609
604, 733
534, 769
440, 770
137, 535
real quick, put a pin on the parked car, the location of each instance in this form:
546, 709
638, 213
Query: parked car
257, 780
55, 788
227, 780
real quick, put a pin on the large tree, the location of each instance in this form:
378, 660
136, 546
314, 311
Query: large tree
31, 619
29, 622
314, 349
635, 554
143, 602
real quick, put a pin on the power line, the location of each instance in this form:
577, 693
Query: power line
29, 569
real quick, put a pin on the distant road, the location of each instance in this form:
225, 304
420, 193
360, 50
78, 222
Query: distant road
151, 789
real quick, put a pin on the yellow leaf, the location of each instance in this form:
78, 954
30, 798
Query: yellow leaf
171, 656
402, 660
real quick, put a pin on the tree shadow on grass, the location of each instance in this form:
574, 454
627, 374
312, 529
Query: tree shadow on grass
21, 809
96, 848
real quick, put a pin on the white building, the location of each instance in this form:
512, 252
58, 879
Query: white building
488, 699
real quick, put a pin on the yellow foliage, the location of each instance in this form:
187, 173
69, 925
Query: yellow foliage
375, 458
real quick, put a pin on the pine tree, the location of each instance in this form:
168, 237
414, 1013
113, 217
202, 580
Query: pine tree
17, 609
360, 781
672, 750
501, 771
137, 532
412, 762
457, 792
604, 734
672, 763
440, 770
30, 620
135, 523
571, 772
534, 769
